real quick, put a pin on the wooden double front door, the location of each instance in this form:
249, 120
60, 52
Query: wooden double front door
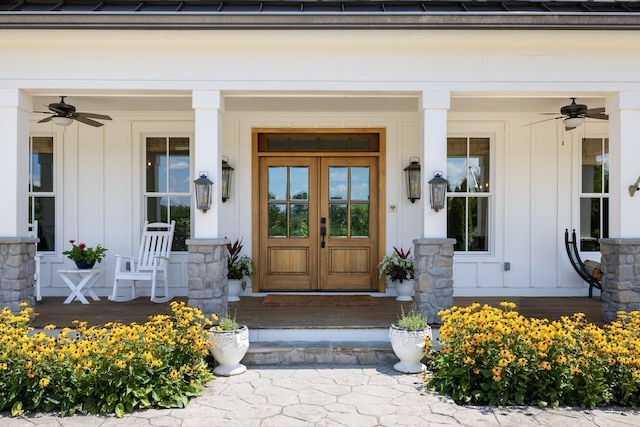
318, 223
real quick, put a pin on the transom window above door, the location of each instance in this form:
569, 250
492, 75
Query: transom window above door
367, 142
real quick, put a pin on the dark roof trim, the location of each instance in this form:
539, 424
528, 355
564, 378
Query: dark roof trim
315, 14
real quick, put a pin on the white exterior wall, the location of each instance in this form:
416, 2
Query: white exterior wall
535, 168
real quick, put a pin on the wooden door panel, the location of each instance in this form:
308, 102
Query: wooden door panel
348, 199
289, 260
348, 260
342, 191
288, 224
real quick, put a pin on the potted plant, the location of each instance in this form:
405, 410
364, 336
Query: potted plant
228, 342
84, 256
399, 267
410, 338
239, 268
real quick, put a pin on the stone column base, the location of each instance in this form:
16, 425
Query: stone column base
621, 276
434, 276
207, 275
17, 269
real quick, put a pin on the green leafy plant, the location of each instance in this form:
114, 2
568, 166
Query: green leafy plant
226, 323
412, 320
399, 266
114, 368
239, 266
82, 252
495, 356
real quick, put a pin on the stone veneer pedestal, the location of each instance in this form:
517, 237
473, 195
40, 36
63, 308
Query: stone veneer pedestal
621, 276
17, 269
434, 276
207, 275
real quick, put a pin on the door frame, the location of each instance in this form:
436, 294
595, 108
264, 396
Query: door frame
255, 180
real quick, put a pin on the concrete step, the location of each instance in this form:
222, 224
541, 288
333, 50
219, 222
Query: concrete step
345, 346
287, 353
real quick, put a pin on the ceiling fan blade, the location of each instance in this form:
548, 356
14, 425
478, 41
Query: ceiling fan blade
597, 113
93, 116
46, 119
545, 120
87, 121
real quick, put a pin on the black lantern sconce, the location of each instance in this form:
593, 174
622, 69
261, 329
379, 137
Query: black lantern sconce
203, 192
227, 171
412, 175
438, 187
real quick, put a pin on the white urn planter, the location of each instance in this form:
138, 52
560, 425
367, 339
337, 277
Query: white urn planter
409, 347
235, 288
405, 290
228, 348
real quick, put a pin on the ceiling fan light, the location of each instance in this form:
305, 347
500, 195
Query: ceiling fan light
573, 122
62, 121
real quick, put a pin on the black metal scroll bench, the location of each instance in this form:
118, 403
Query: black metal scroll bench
588, 270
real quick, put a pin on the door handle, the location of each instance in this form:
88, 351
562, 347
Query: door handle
323, 231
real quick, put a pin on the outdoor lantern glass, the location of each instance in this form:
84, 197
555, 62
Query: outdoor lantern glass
203, 192
62, 121
227, 171
412, 175
438, 186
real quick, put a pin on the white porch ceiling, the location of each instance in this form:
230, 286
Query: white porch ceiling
310, 102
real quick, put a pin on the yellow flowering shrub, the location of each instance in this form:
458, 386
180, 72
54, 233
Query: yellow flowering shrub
114, 368
496, 356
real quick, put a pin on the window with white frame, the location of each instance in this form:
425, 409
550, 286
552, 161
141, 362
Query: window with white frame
594, 193
469, 192
167, 194
42, 196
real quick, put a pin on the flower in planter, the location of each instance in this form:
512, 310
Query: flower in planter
83, 253
398, 266
239, 266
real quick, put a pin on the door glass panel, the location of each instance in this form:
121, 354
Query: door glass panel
359, 183
287, 184
338, 179
338, 221
299, 183
299, 220
277, 182
360, 220
277, 220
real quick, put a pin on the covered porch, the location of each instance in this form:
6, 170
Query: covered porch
257, 316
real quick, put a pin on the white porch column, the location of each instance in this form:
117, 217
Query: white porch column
208, 106
15, 106
434, 106
624, 160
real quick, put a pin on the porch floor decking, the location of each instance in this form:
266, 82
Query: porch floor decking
252, 312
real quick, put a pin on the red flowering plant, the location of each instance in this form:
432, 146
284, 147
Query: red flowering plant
398, 266
82, 252
239, 266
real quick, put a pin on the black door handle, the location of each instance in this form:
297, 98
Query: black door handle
323, 231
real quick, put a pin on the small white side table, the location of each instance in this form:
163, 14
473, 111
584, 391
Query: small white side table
80, 282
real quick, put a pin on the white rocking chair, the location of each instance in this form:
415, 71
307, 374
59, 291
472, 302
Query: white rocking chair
32, 231
151, 265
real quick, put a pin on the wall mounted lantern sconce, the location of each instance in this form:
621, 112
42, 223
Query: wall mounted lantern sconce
635, 187
438, 187
227, 171
412, 175
203, 192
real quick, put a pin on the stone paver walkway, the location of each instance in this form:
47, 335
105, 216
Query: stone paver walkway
334, 396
